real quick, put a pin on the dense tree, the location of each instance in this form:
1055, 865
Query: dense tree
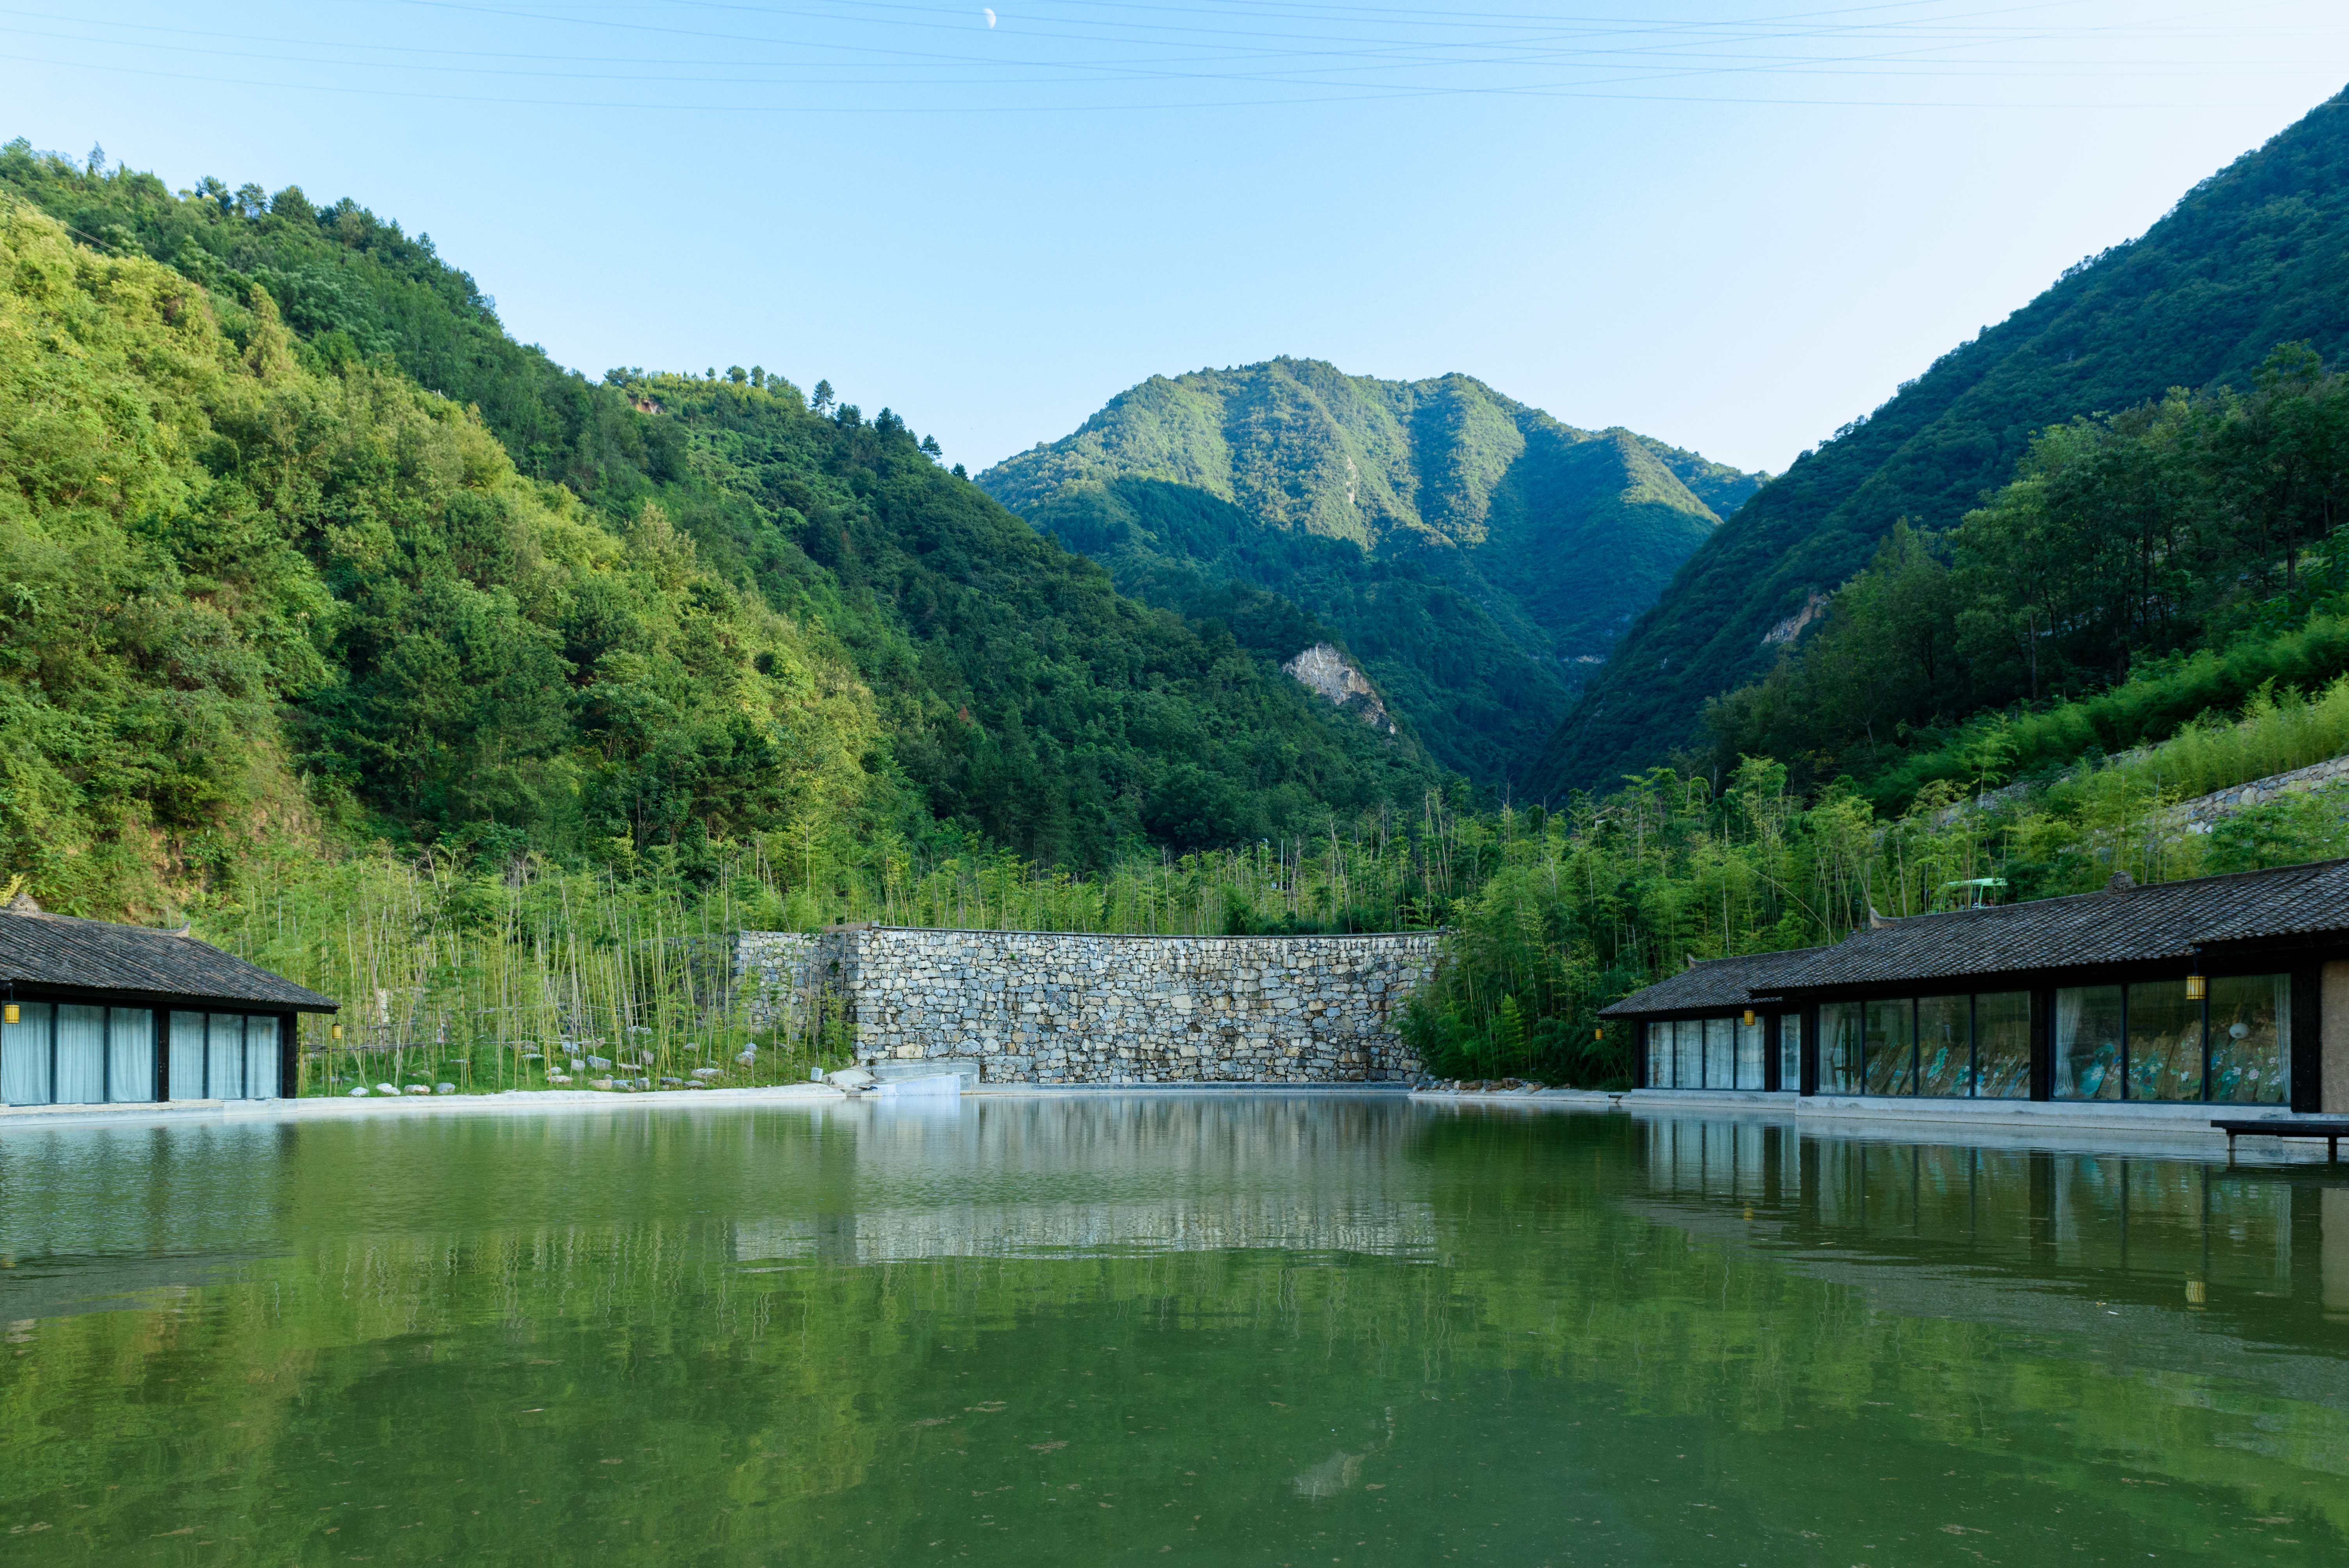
588, 642
2190, 524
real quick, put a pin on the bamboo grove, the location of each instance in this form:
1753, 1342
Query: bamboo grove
485, 975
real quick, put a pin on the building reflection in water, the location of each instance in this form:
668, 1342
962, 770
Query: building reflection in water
2156, 1225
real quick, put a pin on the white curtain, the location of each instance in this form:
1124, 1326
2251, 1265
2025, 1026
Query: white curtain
81, 1055
186, 1055
261, 1062
25, 1055
130, 1054
224, 1058
1720, 1052
1749, 1055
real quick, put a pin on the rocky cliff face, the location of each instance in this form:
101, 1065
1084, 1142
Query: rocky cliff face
1324, 669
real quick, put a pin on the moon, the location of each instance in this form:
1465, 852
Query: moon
989, 15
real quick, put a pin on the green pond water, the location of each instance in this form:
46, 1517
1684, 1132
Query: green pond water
1278, 1330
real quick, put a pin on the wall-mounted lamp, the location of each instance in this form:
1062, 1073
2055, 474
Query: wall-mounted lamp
10, 1015
1749, 1018
2196, 987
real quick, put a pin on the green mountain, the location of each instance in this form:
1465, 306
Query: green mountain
300, 546
2255, 257
1477, 557
2143, 569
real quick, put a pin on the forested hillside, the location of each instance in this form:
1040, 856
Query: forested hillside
2141, 568
300, 547
1476, 556
2254, 257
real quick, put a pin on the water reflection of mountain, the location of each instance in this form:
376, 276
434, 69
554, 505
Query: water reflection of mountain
2151, 1265
1068, 1177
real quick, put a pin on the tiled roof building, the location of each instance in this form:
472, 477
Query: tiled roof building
2219, 990
98, 1013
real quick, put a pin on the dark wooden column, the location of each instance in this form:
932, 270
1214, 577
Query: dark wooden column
2043, 1042
2304, 1045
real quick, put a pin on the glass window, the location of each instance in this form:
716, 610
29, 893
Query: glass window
130, 1054
1688, 1054
1944, 1044
1892, 1060
2003, 1045
25, 1055
2165, 1042
261, 1059
1790, 1053
1840, 1025
80, 1055
2251, 1017
1720, 1052
224, 1056
188, 1056
1749, 1054
2088, 1042
1657, 1039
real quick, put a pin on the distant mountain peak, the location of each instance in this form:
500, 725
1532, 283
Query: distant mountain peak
1477, 556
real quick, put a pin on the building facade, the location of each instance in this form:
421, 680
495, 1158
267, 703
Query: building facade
2227, 992
99, 1013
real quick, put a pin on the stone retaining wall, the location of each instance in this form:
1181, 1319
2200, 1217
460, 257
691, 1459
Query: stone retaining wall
2198, 815
2203, 812
1056, 1007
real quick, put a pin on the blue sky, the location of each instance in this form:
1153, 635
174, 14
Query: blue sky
1734, 226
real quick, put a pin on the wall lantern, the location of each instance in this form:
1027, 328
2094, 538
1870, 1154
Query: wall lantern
2196, 987
10, 1015
1597, 1034
1749, 1018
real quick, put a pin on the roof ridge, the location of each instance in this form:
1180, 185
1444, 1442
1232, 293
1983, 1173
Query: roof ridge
55, 917
2305, 867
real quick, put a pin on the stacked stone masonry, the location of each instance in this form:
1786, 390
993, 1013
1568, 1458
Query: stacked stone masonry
2198, 815
1050, 1008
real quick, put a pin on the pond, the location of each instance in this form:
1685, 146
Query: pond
1279, 1330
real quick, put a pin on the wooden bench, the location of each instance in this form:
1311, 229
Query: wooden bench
2332, 1129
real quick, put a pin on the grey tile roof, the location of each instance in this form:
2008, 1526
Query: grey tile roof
1713, 983
58, 950
2165, 921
